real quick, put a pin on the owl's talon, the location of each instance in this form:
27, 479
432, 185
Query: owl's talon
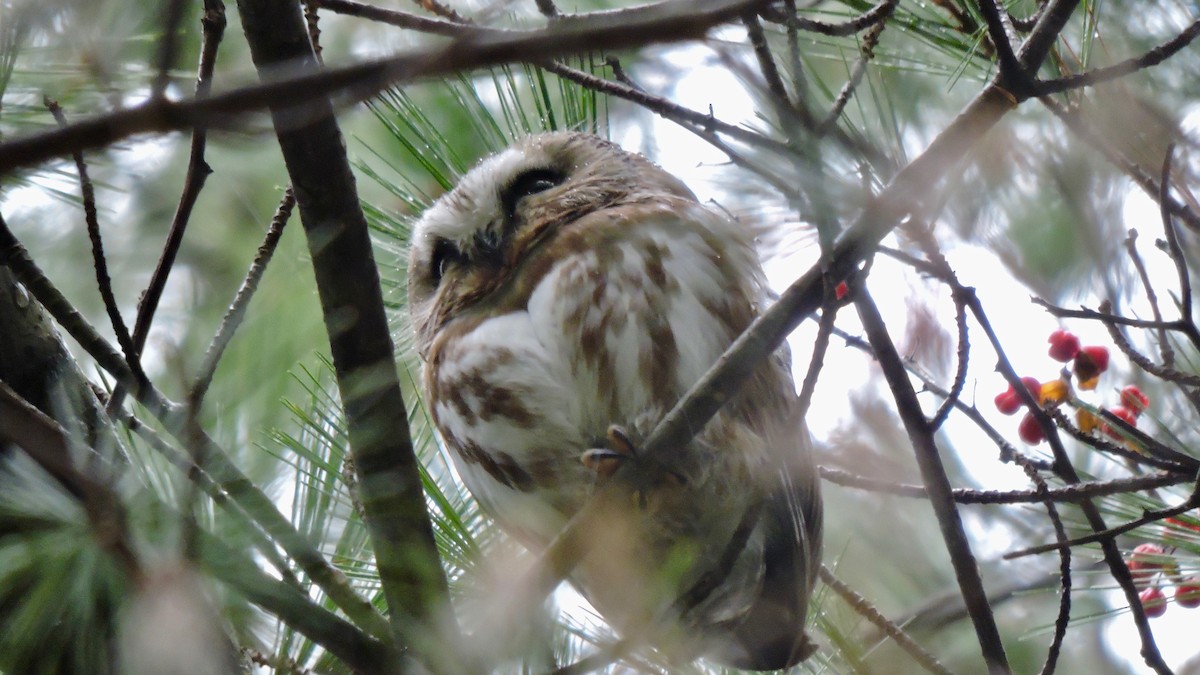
606, 461
618, 441
603, 461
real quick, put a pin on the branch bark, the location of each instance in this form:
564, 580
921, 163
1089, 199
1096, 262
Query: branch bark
393, 498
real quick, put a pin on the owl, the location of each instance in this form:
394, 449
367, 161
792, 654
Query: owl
564, 296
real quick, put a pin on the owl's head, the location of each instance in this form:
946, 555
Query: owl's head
470, 244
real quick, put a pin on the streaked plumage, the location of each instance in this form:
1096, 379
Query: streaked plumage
565, 286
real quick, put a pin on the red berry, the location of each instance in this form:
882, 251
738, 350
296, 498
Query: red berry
1034, 387
1030, 431
841, 290
1154, 603
1133, 399
1125, 415
1009, 402
1145, 561
1063, 345
1187, 594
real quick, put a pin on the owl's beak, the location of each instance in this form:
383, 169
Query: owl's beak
487, 244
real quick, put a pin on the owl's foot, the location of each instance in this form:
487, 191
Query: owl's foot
605, 461
621, 449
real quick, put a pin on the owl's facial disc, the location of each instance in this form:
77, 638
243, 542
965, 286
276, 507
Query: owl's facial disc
472, 243
488, 246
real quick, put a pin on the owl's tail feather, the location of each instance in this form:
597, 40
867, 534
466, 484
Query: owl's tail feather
770, 636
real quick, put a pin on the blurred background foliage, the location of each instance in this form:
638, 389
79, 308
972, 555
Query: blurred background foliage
1039, 200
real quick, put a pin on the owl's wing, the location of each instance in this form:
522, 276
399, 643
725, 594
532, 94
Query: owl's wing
771, 635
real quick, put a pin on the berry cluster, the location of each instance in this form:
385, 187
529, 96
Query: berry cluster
1153, 567
1088, 363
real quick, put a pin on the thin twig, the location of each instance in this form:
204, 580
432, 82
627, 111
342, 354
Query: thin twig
869, 612
1085, 313
876, 14
168, 46
799, 84
99, 261
867, 53
1026, 24
1064, 567
1175, 250
1070, 494
664, 107
1118, 70
439, 9
817, 360
1148, 517
237, 309
1012, 75
766, 61
213, 30
1159, 371
312, 21
963, 357
400, 19
618, 72
1164, 345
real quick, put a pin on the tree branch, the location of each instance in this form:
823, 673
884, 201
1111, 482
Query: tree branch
389, 477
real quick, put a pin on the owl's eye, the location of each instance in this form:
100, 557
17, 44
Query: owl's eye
529, 183
445, 253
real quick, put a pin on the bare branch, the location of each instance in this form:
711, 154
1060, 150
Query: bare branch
1147, 518
937, 484
1164, 345
876, 14
237, 309
212, 24
1100, 75
1175, 250
99, 262
1071, 494
669, 21
390, 486
168, 46
869, 612
1011, 73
